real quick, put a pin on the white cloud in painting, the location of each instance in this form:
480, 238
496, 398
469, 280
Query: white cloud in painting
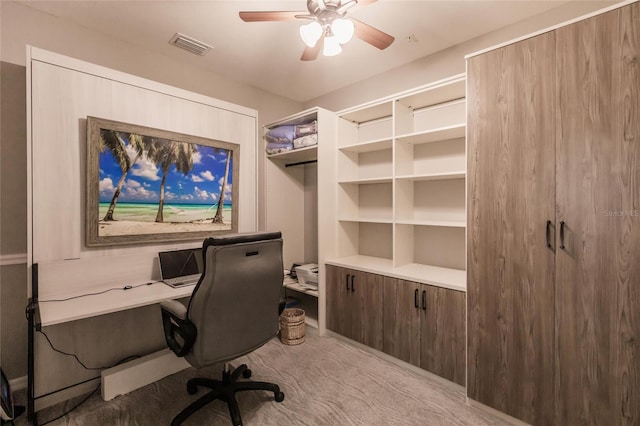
134, 190
187, 197
145, 169
207, 175
202, 194
196, 179
196, 157
106, 185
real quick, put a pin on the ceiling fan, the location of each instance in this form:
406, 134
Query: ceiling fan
328, 28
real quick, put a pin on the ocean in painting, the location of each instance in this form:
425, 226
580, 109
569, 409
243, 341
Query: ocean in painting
172, 213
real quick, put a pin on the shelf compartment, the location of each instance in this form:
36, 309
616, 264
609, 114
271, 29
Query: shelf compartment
436, 94
431, 200
367, 113
354, 166
453, 131
430, 159
430, 245
369, 239
429, 119
373, 201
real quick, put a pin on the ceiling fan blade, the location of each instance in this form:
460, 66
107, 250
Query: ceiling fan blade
311, 53
259, 16
371, 35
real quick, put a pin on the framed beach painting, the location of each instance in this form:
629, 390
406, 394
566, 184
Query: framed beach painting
150, 185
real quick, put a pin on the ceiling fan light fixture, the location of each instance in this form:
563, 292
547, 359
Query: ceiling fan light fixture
342, 29
311, 33
331, 46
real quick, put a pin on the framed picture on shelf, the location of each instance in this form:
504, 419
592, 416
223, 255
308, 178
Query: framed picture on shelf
151, 185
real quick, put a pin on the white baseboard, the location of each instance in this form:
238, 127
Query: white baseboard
140, 372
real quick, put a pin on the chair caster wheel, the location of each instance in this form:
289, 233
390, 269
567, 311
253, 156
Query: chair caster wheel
192, 389
246, 373
279, 396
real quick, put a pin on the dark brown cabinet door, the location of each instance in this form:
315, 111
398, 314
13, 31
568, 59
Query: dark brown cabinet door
598, 193
338, 312
402, 320
442, 327
366, 306
354, 305
511, 196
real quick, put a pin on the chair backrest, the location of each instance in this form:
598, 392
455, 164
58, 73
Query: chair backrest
235, 304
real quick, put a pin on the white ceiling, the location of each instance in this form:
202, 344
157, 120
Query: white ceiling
267, 54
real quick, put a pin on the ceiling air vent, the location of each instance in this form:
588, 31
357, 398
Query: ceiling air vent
190, 44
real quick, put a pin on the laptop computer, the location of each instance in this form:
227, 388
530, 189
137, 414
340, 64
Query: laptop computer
180, 267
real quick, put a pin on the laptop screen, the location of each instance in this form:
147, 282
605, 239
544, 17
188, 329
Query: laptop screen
178, 263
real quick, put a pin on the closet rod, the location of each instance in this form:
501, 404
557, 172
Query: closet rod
300, 163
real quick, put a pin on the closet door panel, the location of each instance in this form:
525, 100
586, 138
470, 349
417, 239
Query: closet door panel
511, 196
598, 189
338, 311
401, 319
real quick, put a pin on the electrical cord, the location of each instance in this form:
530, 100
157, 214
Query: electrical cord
86, 368
126, 287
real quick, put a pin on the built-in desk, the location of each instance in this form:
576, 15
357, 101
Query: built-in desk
113, 301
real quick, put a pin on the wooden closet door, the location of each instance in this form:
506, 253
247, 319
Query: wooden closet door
511, 179
401, 319
338, 311
598, 189
367, 309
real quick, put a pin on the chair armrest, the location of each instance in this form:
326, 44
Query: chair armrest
179, 332
174, 307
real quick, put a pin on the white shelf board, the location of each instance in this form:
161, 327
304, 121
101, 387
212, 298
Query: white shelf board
369, 113
435, 95
374, 265
435, 135
366, 181
433, 176
307, 153
364, 220
113, 301
368, 146
293, 284
440, 223
453, 279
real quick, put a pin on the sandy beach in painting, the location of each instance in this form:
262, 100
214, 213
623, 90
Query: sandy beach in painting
139, 219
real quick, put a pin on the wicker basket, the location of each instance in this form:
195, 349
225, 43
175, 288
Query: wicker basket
292, 326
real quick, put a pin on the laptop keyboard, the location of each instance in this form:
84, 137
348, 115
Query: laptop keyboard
182, 281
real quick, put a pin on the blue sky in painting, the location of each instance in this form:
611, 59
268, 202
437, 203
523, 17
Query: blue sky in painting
142, 184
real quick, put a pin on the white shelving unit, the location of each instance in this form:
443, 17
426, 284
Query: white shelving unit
401, 172
293, 205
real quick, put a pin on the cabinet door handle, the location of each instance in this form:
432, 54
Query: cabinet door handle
347, 281
424, 300
352, 287
548, 233
415, 299
562, 224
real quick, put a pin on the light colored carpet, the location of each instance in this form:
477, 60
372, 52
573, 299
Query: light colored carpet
326, 381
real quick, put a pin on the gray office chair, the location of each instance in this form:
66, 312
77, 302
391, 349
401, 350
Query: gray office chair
234, 310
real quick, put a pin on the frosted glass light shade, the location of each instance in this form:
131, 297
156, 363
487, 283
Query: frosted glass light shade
311, 33
331, 46
342, 29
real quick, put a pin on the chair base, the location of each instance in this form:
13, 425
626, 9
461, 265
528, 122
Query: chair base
225, 390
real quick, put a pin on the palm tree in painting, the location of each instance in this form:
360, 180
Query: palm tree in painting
166, 153
113, 141
218, 217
